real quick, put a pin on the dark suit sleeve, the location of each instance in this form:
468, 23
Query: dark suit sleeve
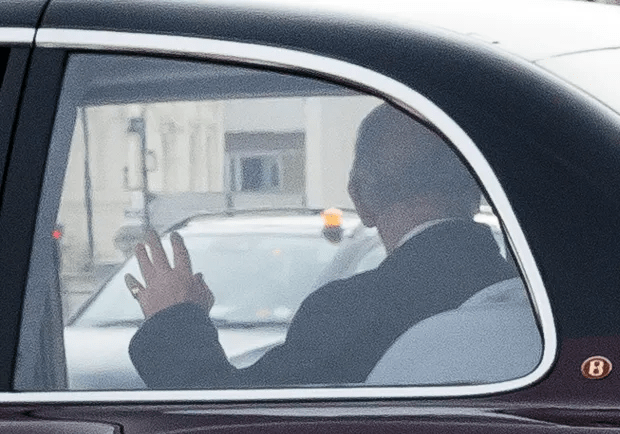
178, 348
341, 330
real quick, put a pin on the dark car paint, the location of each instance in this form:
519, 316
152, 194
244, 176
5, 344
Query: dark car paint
375, 417
534, 134
10, 92
19, 13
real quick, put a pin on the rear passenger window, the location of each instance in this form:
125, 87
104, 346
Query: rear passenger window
209, 226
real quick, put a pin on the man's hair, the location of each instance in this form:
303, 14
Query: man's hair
398, 159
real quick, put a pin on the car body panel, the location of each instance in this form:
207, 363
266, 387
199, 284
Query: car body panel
345, 417
502, 22
11, 81
20, 14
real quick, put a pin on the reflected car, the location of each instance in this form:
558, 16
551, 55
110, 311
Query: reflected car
230, 250
260, 266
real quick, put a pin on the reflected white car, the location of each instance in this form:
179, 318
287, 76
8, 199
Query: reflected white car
260, 267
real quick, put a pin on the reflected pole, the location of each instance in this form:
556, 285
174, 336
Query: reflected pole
88, 192
137, 125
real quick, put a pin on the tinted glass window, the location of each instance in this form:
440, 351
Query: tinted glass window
310, 235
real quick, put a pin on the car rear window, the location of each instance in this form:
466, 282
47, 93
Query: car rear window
311, 235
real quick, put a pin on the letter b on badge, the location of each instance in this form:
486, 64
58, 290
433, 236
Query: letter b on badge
595, 368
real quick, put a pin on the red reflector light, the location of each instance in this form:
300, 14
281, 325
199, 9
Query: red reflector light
56, 234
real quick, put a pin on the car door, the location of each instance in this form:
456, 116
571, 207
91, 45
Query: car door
143, 57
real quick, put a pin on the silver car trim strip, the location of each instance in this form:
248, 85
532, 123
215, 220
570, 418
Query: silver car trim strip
340, 71
16, 35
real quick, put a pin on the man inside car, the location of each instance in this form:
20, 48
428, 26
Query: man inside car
406, 182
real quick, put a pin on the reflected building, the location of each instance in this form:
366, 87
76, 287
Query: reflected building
201, 157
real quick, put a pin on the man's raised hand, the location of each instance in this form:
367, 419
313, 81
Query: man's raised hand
166, 286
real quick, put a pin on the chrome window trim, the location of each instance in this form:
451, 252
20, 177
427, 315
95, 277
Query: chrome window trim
16, 35
341, 71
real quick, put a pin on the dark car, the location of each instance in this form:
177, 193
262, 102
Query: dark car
139, 114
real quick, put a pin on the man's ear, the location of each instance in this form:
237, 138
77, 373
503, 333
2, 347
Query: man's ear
361, 203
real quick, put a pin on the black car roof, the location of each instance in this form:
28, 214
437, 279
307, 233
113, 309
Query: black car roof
18, 13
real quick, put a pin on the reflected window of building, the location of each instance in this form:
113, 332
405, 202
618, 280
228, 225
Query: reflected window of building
255, 173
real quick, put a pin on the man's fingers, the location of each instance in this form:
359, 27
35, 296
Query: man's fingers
207, 299
181, 257
157, 250
134, 286
146, 266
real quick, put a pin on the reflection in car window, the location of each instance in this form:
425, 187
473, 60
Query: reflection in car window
255, 279
306, 228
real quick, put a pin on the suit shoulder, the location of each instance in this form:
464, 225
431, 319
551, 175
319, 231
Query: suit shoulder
342, 289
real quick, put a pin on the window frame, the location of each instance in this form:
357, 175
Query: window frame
287, 60
11, 82
18, 41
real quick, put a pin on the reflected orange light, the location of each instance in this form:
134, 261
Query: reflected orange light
332, 217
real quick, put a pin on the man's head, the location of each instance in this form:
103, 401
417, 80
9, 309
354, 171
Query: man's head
400, 165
